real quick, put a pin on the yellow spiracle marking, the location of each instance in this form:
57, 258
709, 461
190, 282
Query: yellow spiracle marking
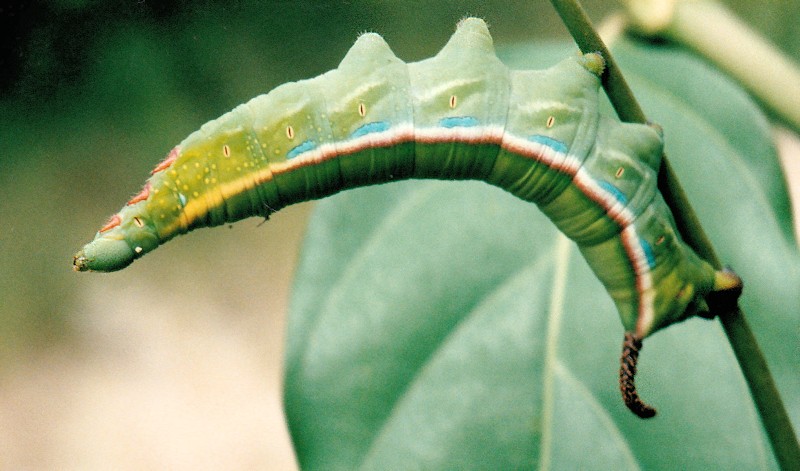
453, 101
551, 120
290, 132
138, 222
226, 150
660, 240
362, 110
620, 172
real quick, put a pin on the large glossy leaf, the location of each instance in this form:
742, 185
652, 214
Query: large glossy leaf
448, 325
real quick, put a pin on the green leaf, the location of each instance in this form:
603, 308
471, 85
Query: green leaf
449, 325
747, 213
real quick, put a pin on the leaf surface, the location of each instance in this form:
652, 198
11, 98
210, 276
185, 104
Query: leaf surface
449, 325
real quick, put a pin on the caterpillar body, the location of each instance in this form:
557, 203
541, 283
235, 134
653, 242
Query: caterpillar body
459, 115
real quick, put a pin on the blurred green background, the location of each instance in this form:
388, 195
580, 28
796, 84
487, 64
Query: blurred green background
174, 362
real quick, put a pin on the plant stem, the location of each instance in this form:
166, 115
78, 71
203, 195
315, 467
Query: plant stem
751, 360
762, 68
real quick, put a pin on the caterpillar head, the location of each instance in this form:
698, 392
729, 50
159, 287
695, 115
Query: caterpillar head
126, 236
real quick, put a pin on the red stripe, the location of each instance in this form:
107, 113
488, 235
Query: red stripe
112, 222
142, 195
171, 157
512, 146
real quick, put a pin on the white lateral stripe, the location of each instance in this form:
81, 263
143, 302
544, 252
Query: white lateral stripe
431, 93
539, 106
538, 151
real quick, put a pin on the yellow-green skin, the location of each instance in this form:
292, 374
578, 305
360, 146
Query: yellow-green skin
459, 115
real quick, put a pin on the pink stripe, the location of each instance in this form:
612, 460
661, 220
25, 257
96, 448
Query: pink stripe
536, 151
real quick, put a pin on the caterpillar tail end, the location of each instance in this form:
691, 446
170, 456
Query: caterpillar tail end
103, 254
627, 371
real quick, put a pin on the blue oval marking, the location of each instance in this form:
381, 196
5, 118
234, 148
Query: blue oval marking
554, 144
458, 121
369, 128
618, 195
648, 252
304, 146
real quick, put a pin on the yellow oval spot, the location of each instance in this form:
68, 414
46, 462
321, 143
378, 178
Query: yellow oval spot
551, 120
453, 101
206, 180
290, 132
185, 187
196, 194
362, 110
226, 150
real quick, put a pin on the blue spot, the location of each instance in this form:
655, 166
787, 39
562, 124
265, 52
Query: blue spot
305, 146
648, 252
618, 195
182, 198
554, 144
369, 128
458, 121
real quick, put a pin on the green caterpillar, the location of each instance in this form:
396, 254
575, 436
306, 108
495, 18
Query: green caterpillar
459, 115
